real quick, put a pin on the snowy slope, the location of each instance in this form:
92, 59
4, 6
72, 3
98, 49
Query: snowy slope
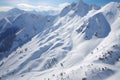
81, 43
111, 11
23, 27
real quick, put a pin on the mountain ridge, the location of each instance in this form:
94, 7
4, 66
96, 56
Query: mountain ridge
77, 44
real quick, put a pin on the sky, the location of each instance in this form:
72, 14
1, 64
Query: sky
45, 4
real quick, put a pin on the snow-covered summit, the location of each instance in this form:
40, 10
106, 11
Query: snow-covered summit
81, 43
15, 11
111, 11
80, 8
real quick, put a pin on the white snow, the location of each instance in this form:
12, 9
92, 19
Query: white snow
81, 43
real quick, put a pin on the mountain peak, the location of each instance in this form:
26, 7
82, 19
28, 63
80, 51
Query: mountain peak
113, 4
17, 10
81, 1
80, 43
14, 9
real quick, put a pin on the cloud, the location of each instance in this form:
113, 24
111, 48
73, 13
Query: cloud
25, 7
5, 8
63, 5
29, 7
37, 8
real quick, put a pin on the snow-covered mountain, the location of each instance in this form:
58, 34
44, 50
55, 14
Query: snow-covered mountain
11, 13
80, 43
22, 28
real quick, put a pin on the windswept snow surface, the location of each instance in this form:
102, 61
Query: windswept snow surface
81, 43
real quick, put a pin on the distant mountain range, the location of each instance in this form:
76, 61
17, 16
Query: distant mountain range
82, 42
